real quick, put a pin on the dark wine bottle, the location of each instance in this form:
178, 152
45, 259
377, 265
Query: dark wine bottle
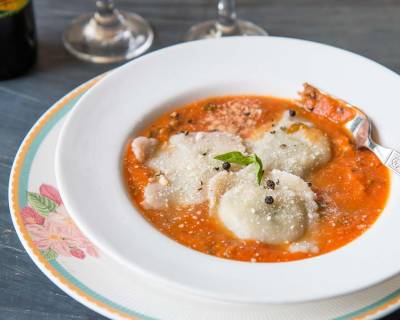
18, 44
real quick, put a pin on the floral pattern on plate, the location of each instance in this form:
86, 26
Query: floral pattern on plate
52, 229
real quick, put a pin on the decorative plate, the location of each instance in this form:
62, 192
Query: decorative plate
68, 258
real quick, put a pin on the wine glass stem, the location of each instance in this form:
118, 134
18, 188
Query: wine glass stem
227, 14
106, 14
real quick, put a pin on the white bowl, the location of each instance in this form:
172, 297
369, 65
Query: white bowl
88, 163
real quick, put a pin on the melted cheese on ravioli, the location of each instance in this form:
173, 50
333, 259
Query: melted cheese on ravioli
292, 146
184, 166
239, 202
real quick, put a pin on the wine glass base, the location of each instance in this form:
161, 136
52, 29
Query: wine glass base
89, 41
211, 29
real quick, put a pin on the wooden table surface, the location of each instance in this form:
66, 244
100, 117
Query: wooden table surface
371, 28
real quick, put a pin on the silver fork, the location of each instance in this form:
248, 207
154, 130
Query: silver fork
360, 127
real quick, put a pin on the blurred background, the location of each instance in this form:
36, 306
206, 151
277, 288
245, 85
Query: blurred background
367, 27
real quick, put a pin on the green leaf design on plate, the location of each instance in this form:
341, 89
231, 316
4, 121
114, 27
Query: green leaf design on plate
41, 204
239, 158
50, 254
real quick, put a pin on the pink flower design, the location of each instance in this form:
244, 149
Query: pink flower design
57, 231
69, 228
30, 216
50, 192
78, 253
49, 236
71, 231
91, 249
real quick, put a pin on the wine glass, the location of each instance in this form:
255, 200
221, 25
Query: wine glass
108, 35
226, 24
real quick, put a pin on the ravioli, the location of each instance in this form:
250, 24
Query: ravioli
292, 146
184, 166
142, 147
241, 205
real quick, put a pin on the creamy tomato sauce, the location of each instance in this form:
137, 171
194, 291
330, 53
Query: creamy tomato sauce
351, 188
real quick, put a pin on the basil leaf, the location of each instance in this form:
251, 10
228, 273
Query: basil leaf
235, 157
239, 158
260, 170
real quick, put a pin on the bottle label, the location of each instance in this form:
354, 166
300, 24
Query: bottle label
8, 7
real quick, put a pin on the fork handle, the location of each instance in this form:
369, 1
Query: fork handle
393, 161
389, 157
